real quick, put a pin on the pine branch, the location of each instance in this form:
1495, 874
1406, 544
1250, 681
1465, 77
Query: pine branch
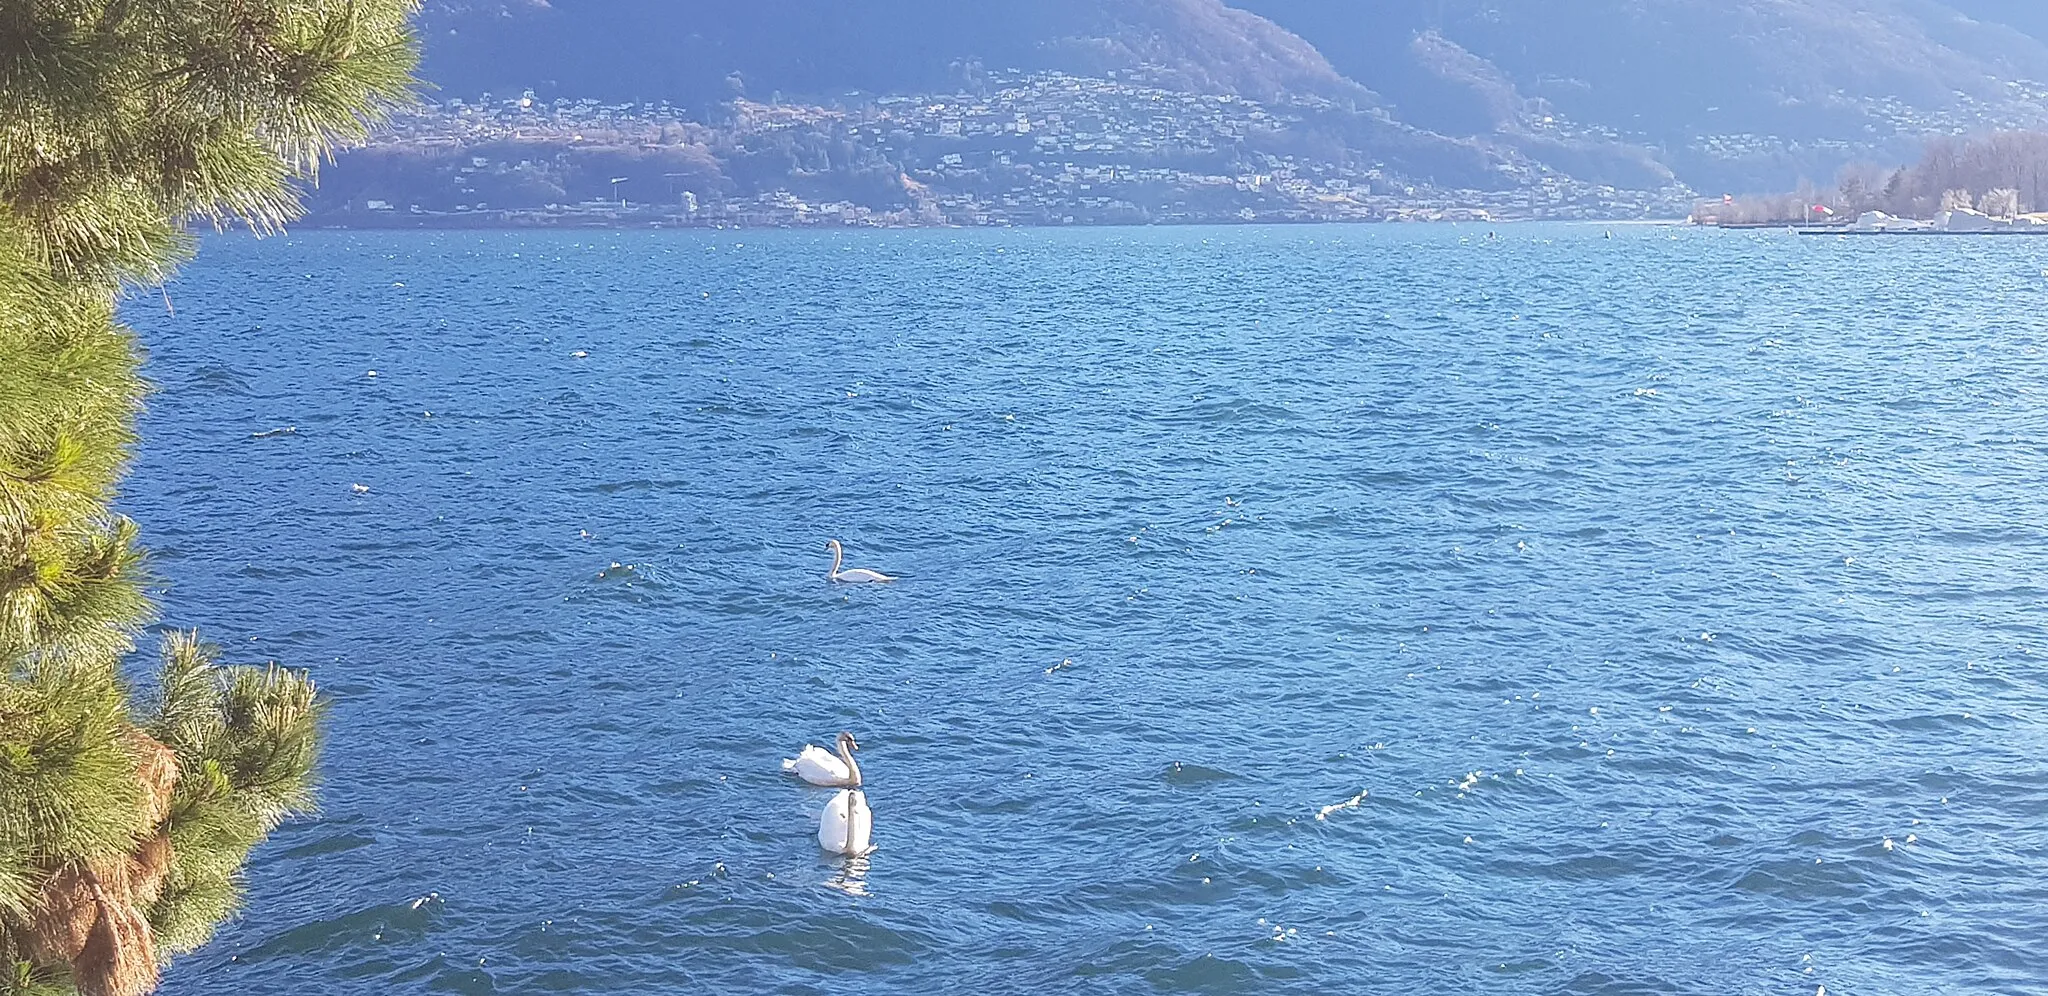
122, 122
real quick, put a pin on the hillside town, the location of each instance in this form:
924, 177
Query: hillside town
1037, 149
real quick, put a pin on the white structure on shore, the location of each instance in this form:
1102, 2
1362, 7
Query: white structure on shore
1966, 220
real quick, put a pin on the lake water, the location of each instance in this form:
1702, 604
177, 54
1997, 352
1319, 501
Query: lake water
1644, 587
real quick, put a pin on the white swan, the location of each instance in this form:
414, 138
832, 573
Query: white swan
859, 575
818, 766
848, 825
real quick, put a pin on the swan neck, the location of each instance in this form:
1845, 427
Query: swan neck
852, 766
838, 557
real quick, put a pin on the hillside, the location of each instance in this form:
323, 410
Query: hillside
1722, 94
698, 52
1878, 74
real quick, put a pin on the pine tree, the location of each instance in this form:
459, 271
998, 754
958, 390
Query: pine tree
125, 818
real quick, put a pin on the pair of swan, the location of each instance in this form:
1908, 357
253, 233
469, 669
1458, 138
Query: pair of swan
859, 575
847, 825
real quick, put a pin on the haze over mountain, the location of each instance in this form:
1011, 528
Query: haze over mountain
1682, 65
1721, 92
1732, 93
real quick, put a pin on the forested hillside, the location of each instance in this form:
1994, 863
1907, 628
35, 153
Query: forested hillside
704, 51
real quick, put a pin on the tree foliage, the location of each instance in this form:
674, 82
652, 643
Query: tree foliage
2009, 167
123, 822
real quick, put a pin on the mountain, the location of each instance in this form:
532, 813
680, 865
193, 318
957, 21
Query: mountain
1726, 94
701, 51
1720, 93
1668, 72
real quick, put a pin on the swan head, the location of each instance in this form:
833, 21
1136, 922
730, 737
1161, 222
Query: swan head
847, 743
832, 544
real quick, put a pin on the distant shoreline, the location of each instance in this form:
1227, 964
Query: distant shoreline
1915, 232
467, 224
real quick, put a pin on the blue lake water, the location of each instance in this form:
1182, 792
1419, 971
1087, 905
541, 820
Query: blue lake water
1645, 587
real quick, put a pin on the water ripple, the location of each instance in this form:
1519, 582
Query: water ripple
1344, 610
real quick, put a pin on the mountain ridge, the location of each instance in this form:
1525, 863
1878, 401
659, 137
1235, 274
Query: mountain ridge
1718, 93
691, 50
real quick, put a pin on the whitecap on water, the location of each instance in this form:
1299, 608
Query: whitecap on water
1352, 803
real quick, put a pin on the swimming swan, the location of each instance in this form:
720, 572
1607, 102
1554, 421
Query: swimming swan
858, 575
816, 765
848, 825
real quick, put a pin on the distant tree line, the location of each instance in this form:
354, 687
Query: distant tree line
2004, 174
